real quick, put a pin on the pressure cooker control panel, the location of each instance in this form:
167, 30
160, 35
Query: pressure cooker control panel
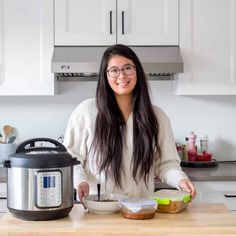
48, 189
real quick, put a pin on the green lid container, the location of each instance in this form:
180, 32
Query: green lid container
171, 201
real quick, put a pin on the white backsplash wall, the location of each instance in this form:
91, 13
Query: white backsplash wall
42, 116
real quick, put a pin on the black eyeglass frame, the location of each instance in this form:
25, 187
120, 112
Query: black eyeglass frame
120, 69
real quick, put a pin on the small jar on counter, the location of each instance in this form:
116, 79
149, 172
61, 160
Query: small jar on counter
138, 208
204, 144
180, 150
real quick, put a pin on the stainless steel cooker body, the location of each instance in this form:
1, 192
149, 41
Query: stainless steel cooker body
24, 190
40, 180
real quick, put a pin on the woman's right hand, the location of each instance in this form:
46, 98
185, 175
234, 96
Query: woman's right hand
83, 191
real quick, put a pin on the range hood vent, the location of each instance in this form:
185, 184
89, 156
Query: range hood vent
83, 62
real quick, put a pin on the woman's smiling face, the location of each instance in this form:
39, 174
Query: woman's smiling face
121, 75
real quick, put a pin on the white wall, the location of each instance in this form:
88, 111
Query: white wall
42, 116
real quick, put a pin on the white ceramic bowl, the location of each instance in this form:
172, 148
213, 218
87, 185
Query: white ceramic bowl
91, 203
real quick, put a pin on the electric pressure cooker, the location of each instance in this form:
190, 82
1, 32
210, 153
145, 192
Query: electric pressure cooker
40, 180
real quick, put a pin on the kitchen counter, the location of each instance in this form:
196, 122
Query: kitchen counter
222, 172
197, 219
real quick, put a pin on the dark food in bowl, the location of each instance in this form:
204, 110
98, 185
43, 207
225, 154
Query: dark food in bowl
106, 200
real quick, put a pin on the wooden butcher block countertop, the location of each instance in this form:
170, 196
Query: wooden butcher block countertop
197, 219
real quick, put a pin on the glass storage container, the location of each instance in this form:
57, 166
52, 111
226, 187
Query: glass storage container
171, 201
138, 208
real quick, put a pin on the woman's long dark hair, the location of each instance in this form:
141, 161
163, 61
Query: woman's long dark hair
110, 125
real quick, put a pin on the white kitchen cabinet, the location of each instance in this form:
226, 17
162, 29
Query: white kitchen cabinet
3, 202
214, 192
26, 47
207, 40
3, 206
3, 189
106, 22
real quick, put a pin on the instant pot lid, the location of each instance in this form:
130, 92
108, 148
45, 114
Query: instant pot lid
41, 159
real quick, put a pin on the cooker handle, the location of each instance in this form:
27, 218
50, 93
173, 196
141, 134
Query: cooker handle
6, 164
75, 161
59, 147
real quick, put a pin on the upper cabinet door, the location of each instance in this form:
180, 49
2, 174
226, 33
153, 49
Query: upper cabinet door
90, 22
208, 47
26, 47
152, 22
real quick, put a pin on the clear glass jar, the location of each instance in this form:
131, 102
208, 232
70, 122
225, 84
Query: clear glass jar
138, 208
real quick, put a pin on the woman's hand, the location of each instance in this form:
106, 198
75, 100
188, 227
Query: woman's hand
187, 185
83, 191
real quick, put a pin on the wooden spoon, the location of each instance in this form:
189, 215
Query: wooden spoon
7, 131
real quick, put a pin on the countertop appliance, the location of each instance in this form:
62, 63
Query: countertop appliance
40, 180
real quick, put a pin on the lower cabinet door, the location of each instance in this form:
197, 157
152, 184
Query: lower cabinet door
216, 192
3, 206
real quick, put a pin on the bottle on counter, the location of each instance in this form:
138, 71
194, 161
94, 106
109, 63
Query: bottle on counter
180, 150
192, 151
204, 144
185, 151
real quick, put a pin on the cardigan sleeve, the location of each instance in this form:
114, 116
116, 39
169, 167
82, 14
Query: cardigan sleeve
168, 167
75, 141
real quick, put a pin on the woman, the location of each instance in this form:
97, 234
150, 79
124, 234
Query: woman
122, 141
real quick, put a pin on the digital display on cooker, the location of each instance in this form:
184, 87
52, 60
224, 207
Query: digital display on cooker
48, 189
49, 181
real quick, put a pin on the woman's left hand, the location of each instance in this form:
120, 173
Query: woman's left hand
187, 185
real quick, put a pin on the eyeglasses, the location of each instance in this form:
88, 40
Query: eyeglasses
114, 71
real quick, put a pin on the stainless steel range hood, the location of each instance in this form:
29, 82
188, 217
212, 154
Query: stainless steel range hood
83, 62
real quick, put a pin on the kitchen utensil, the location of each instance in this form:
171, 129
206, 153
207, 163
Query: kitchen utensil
109, 203
40, 180
7, 131
6, 149
11, 139
99, 190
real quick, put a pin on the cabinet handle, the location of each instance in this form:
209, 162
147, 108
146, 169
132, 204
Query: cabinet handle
230, 194
123, 21
110, 22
